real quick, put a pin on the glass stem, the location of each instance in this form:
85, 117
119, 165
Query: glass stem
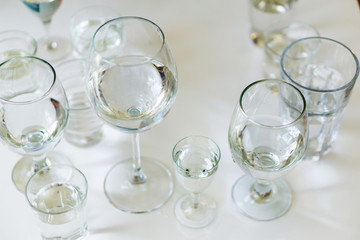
262, 189
138, 176
49, 44
196, 199
40, 162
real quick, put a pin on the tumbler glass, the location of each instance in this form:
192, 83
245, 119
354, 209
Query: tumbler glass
58, 196
265, 12
84, 23
325, 70
277, 37
85, 127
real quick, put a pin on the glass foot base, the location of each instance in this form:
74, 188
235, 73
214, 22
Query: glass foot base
54, 48
272, 206
195, 217
25, 168
141, 197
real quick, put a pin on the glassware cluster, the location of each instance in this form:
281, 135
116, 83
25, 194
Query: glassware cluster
128, 80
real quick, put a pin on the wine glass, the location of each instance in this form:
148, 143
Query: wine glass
34, 113
14, 43
51, 48
196, 160
132, 86
268, 136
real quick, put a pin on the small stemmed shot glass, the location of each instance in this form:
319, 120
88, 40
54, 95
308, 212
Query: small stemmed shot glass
196, 160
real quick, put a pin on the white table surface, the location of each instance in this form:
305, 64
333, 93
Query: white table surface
215, 60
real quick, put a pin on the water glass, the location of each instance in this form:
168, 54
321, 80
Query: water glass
325, 70
14, 43
196, 160
58, 196
265, 12
85, 127
277, 37
268, 134
85, 22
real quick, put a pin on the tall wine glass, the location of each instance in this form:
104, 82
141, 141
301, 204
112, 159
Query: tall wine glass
51, 48
267, 135
34, 113
132, 85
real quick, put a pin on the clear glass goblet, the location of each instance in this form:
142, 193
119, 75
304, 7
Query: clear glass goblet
196, 160
15, 43
132, 86
34, 113
51, 48
268, 136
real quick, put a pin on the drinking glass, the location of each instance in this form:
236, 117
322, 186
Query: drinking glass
267, 136
325, 70
14, 43
58, 196
34, 113
85, 127
132, 85
85, 22
51, 48
277, 37
266, 12
196, 160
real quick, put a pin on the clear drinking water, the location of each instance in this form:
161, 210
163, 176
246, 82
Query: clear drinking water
15, 43
37, 132
265, 12
124, 98
12, 53
325, 70
277, 37
198, 168
61, 211
58, 196
255, 148
196, 160
85, 22
85, 127
324, 111
83, 32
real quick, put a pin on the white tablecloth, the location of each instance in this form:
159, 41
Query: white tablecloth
215, 60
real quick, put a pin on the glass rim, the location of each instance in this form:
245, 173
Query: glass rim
33, 40
83, 196
283, 25
95, 6
197, 137
293, 122
149, 58
45, 94
345, 86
